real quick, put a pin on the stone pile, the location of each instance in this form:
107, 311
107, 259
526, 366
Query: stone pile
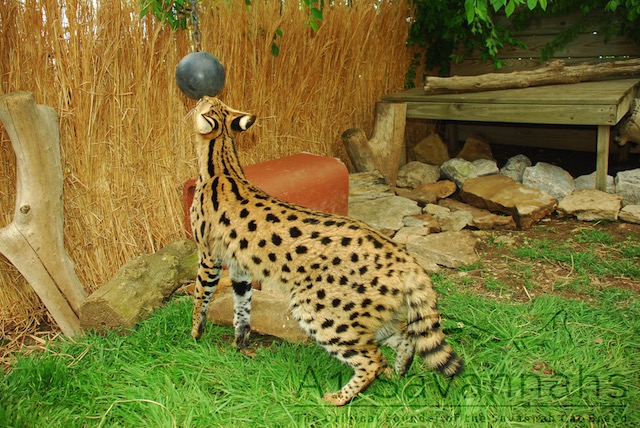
435, 206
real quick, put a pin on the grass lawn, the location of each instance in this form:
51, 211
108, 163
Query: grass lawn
565, 358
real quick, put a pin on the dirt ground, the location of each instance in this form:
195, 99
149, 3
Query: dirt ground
522, 279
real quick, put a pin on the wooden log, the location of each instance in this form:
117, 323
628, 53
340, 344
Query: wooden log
556, 72
385, 151
629, 127
34, 241
139, 287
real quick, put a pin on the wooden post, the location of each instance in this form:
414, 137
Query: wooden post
602, 157
385, 151
34, 241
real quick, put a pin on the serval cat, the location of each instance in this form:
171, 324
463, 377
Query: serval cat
352, 289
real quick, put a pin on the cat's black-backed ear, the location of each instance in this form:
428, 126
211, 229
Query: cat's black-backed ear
242, 123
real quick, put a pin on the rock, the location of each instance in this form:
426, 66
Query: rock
591, 205
458, 170
585, 182
270, 313
427, 221
481, 219
383, 213
515, 166
431, 150
436, 210
422, 197
500, 193
407, 233
455, 221
550, 178
442, 189
485, 167
415, 173
368, 185
475, 147
628, 186
449, 221
449, 249
630, 214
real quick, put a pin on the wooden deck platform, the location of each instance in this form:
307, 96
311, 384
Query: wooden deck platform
600, 104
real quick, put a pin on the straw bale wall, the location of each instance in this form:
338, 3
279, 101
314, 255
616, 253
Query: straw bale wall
125, 132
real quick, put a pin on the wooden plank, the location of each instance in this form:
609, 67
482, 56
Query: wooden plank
557, 114
584, 46
566, 137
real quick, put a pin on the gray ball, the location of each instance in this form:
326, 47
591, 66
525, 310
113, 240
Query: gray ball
199, 74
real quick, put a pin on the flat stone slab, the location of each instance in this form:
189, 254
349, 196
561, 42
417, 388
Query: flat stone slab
591, 205
527, 205
384, 213
270, 314
449, 249
630, 214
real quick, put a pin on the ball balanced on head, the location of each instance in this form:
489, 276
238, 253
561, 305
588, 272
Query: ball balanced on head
199, 74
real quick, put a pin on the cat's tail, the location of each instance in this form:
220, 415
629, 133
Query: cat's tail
423, 327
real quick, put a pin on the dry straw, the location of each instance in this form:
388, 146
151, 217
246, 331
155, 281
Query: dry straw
126, 139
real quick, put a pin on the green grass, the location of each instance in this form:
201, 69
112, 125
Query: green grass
598, 254
550, 362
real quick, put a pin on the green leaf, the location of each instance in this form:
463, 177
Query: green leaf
313, 24
531, 4
481, 10
316, 14
470, 9
510, 8
275, 50
279, 32
543, 4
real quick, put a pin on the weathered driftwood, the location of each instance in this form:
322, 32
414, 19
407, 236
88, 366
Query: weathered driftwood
139, 287
34, 241
629, 127
385, 150
556, 72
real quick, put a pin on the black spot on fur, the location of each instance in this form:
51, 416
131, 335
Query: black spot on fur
355, 258
262, 243
294, 232
363, 270
349, 353
276, 239
327, 323
344, 280
257, 260
321, 294
336, 261
310, 220
244, 244
348, 306
272, 218
224, 220
292, 217
366, 303
326, 240
345, 242
301, 249
244, 213
273, 257
342, 328
335, 303
252, 226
